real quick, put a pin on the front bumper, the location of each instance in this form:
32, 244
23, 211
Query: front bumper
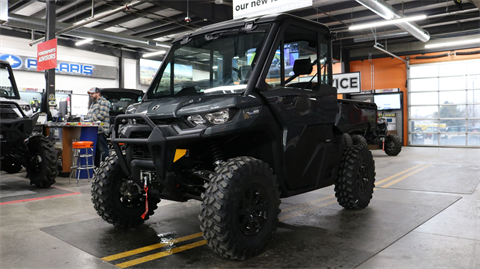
14, 129
161, 142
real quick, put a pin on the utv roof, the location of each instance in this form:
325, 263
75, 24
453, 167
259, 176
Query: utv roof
121, 90
4, 63
258, 19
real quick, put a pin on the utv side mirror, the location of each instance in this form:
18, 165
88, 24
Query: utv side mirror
302, 67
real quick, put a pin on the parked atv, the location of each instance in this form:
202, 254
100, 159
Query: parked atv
377, 134
223, 125
19, 144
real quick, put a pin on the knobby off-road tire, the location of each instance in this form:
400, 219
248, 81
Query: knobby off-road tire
356, 178
11, 167
347, 141
110, 188
43, 170
359, 140
393, 145
240, 208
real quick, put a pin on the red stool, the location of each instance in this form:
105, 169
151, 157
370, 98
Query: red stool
82, 152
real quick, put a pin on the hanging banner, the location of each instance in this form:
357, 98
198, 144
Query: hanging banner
250, 8
47, 55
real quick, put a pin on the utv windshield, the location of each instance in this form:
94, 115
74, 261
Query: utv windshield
212, 64
6, 89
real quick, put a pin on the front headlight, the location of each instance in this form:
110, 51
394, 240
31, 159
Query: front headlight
25, 107
131, 109
218, 117
196, 119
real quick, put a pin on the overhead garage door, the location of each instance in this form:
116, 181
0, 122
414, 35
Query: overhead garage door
444, 104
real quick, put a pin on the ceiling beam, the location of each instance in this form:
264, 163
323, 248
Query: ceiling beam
152, 25
170, 27
17, 6
365, 16
476, 3
61, 6
173, 32
83, 10
203, 9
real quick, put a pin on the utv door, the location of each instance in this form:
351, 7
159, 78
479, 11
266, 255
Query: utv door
304, 105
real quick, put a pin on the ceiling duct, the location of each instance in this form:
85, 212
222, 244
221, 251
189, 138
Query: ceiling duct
30, 23
386, 11
384, 36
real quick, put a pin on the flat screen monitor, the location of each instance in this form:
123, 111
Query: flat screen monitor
62, 109
388, 101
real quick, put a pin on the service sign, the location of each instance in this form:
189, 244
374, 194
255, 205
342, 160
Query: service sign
47, 55
250, 8
347, 82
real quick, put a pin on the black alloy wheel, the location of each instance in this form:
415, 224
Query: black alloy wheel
240, 208
118, 199
356, 178
362, 176
252, 210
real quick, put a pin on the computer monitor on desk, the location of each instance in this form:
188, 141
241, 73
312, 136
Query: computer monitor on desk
62, 110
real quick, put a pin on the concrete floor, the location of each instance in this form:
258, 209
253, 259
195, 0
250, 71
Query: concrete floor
425, 213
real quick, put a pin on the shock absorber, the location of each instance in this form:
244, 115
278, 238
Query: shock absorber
215, 152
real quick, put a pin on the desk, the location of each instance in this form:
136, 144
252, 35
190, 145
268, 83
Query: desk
65, 133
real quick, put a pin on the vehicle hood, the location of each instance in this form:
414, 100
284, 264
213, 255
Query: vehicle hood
19, 102
174, 107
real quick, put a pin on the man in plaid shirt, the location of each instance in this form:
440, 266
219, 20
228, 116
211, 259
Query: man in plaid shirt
99, 111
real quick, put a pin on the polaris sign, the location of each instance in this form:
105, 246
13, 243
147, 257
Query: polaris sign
15, 61
63, 68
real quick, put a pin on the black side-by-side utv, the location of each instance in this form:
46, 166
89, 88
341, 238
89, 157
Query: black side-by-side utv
239, 115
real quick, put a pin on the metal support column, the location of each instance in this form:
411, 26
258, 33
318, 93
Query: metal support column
121, 68
50, 73
345, 60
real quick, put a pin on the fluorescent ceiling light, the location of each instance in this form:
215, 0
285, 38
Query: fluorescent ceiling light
382, 23
161, 45
453, 43
85, 41
146, 55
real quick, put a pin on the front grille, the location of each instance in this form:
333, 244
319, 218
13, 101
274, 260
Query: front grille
139, 134
8, 115
156, 121
141, 152
7, 111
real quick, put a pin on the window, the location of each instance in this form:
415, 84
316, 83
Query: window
211, 64
302, 66
444, 104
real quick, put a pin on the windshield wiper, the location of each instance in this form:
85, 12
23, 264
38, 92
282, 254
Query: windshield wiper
218, 34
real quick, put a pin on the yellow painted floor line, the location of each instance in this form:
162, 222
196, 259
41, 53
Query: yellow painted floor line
161, 254
396, 175
281, 218
151, 247
404, 177
204, 242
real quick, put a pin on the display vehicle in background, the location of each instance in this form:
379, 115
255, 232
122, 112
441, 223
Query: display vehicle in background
376, 133
226, 124
20, 145
120, 99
